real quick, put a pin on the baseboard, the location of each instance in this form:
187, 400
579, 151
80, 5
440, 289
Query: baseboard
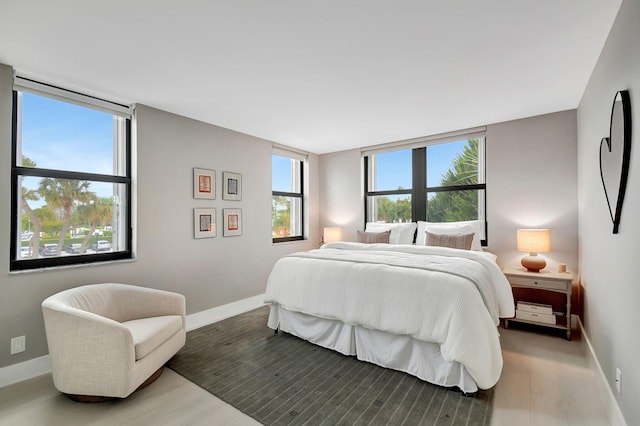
38, 366
24, 370
615, 415
200, 319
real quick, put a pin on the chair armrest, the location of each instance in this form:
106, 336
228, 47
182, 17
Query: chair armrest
82, 341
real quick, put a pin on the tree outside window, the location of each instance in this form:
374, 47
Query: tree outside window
72, 174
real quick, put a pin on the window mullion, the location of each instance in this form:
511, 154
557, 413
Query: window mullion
419, 176
366, 190
470, 187
66, 174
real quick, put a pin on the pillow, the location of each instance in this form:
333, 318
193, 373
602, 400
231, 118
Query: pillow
464, 227
374, 237
401, 233
457, 241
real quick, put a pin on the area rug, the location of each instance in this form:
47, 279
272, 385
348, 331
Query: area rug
280, 379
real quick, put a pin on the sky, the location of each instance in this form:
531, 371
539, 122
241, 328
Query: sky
394, 168
64, 136
59, 135
281, 173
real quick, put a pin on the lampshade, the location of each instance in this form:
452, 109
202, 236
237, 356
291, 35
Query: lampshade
332, 234
534, 241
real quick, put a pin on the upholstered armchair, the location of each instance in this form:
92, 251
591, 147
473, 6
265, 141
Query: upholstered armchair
107, 340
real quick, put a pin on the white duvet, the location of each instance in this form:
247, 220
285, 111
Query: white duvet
434, 294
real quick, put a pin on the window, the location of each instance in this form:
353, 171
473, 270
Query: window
71, 178
389, 187
455, 189
287, 202
436, 181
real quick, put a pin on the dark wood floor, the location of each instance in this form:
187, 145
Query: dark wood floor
546, 380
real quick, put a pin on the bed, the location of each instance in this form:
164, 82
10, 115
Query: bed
428, 311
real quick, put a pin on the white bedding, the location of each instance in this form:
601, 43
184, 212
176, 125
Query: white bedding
433, 294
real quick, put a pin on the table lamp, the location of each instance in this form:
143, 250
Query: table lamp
534, 241
332, 234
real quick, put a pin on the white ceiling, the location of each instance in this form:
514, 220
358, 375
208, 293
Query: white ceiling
321, 76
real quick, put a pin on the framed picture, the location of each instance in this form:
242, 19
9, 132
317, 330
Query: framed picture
204, 223
232, 221
231, 186
204, 184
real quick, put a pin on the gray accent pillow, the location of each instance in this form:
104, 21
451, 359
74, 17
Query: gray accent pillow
373, 237
458, 241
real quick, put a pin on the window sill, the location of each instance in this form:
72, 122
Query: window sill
284, 243
77, 265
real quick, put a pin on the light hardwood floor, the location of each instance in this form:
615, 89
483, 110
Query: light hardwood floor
546, 380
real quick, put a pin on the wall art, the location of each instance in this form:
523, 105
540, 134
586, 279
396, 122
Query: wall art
231, 186
204, 223
615, 156
204, 184
232, 221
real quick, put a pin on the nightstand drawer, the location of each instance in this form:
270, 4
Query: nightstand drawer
538, 308
532, 316
535, 283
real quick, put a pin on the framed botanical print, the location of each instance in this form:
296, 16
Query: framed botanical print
204, 223
232, 222
204, 184
231, 186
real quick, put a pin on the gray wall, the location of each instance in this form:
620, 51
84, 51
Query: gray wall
608, 262
209, 272
531, 182
341, 192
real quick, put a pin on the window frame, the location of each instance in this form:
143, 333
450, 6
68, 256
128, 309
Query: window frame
419, 190
367, 193
76, 98
300, 195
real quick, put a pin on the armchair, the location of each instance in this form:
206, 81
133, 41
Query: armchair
106, 340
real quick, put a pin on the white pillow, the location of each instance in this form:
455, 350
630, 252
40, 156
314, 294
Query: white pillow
465, 227
401, 233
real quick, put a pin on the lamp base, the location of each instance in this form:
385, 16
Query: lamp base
533, 263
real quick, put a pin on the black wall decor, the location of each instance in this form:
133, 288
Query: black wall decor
615, 155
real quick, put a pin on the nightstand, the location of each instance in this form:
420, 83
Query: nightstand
544, 280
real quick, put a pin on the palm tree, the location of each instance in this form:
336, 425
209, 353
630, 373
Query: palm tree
63, 194
98, 211
457, 205
31, 195
26, 196
464, 170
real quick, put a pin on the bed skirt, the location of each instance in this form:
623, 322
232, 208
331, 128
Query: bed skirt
397, 352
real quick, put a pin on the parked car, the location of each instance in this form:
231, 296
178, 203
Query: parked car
49, 250
73, 248
101, 245
25, 252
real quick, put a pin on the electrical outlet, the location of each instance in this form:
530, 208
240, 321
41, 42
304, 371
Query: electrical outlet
619, 381
18, 344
